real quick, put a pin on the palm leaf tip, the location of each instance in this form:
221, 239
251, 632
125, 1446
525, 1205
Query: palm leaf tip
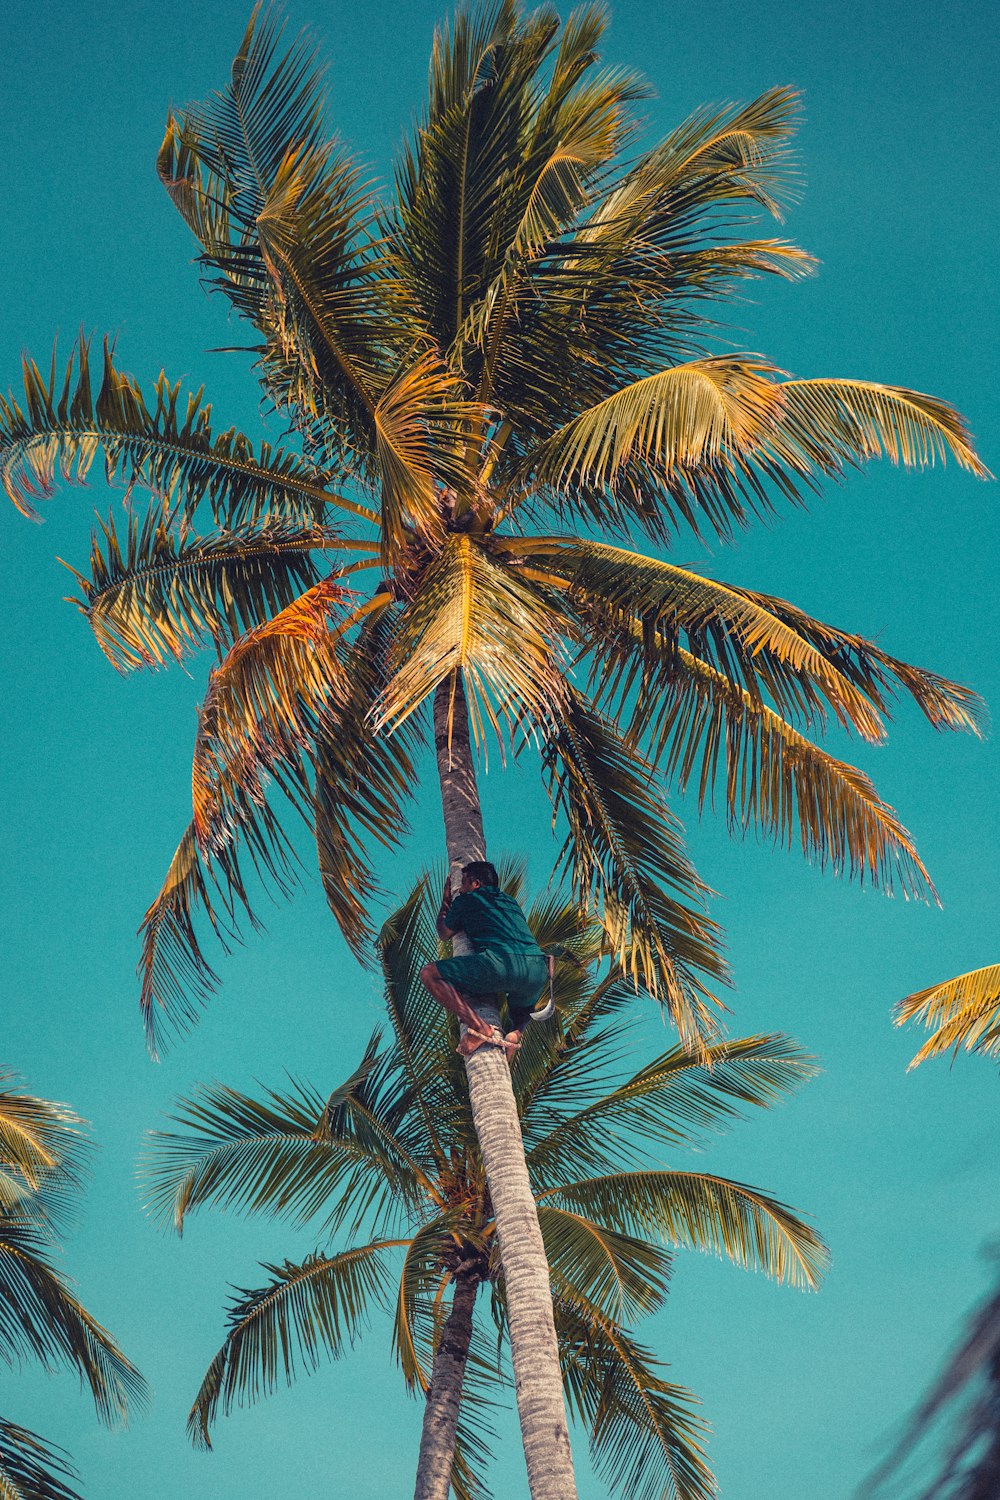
963, 1012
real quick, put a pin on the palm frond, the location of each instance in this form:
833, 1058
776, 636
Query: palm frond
627, 862
477, 618
43, 1154
261, 710
706, 729
176, 979
42, 1319
960, 1012
701, 1212
161, 591
678, 1099
828, 425
32, 1469
285, 1327
634, 611
645, 1440
967, 1465
170, 450
285, 1153
626, 1276
362, 782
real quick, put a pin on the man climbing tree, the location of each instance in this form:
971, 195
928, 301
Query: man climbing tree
504, 957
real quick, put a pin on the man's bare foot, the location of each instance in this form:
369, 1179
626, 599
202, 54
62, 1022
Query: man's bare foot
473, 1040
511, 1042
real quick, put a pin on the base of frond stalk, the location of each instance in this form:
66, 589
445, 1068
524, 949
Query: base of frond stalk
437, 1437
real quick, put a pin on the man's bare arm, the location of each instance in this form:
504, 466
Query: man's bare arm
443, 931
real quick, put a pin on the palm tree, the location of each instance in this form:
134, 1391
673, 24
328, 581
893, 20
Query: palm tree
41, 1156
485, 373
960, 1012
391, 1161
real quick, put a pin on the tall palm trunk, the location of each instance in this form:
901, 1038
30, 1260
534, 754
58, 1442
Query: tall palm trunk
437, 1439
535, 1354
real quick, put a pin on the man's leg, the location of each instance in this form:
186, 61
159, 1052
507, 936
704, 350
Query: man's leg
446, 994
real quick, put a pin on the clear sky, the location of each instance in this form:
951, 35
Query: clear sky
900, 1172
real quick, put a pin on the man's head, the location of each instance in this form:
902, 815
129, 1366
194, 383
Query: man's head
479, 872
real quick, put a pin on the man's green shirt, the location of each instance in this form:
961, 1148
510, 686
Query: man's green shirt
491, 920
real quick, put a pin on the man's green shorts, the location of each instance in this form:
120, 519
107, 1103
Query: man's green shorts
521, 976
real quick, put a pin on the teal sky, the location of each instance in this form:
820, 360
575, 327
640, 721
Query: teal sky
900, 1172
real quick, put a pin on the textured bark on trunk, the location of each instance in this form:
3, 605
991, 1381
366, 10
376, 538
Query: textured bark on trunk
534, 1351
437, 1438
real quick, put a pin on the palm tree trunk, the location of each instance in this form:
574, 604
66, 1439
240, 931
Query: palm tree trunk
437, 1438
535, 1353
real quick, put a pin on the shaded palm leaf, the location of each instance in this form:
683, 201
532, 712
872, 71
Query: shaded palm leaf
961, 1012
645, 1440
32, 1469
625, 855
305, 1311
622, 1274
161, 592
703, 1212
42, 1155
679, 1098
40, 1318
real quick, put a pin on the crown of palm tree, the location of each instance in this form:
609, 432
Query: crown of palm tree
41, 1157
390, 1162
483, 372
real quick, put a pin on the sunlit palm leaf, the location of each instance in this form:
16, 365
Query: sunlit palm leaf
702, 1212
625, 854
40, 1318
32, 1469
362, 782
645, 1440
261, 710
475, 617
706, 730
42, 1155
636, 609
163, 591
304, 1312
961, 1012
171, 451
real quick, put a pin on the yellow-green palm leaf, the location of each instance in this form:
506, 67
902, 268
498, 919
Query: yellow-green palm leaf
960, 1013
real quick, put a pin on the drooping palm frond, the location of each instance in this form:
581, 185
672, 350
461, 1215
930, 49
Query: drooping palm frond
474, 617
286, 1153
625, 1275
680, 1098
176, 979
627, 862
702, 1212
304, 1312
645, 1440
960, 1013
262, 708
32, 1469
706, 730
42, 1155
162, 591
41, 1319
170, 450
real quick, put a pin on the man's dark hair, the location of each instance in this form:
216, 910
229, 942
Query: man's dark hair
483, 871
